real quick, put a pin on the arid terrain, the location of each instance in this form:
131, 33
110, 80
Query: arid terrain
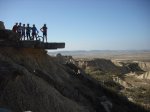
31, 80
108, 54
125, 72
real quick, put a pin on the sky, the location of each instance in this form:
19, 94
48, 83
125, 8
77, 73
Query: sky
85, 24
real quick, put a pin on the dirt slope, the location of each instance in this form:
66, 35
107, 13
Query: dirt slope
32, 80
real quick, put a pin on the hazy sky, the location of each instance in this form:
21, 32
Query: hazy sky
85, 24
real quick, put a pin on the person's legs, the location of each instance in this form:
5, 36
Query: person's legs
36, 36
27, 34
20, 36
23, 35
32, 36
45, 36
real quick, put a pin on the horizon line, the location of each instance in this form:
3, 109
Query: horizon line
98, 50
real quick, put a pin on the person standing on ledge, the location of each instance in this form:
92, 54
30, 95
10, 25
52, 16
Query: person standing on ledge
44, 30
34, 32
23, 31
15, 27
19, 29
28, 30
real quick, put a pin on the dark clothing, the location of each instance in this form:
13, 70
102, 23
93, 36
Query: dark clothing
34, 33
19, 29
23, 35
28, 30
34, 30
44, 33
44, 30
14, 29
28, 36
23, 32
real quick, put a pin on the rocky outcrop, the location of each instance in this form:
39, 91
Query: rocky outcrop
117, 62
122, 82
9, 36
65, 59
145, 75
108, 66
2, 26
32, 80
144, 65
103, 65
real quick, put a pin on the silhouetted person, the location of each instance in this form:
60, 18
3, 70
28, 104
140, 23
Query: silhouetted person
23, 31
34, 32
15, 27
28, 31
44, 30
19, 29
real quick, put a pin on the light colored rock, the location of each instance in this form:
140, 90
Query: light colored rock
117, 63
130, 99
144, 66
122, 82
145, 75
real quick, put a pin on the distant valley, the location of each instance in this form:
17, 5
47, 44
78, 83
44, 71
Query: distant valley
125, 72
108, 54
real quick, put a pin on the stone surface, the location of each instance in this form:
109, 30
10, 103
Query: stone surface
10, 39
145, 75
32, 80
2, 26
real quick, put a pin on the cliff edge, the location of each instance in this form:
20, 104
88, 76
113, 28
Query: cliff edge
31, 80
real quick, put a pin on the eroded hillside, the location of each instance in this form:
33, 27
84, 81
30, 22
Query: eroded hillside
32, 80
127, 77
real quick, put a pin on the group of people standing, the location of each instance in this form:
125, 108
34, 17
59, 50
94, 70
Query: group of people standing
26, 31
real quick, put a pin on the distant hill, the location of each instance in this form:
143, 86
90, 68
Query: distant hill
108, 54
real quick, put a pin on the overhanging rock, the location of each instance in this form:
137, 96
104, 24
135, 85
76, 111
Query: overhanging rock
39, 44
32, 44
11, 39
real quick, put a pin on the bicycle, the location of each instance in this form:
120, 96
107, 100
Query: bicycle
39, 37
